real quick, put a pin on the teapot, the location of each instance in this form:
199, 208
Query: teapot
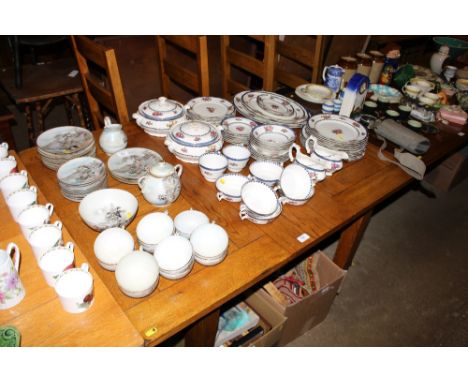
332, 160
11, 288
161, 185
112, 138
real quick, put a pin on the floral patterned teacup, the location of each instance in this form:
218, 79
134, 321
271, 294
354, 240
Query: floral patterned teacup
56, 260
11, 288
45, 237
75, 289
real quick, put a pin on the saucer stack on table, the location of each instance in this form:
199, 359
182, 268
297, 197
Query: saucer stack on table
236, 130
337, 132
271, 142
80, 176
271, 108
61, 144
129, 165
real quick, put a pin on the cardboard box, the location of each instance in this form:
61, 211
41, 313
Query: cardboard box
310, 311
270, 314
450, 172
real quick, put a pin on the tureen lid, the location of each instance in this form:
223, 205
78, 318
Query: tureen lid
161, 109
161, 169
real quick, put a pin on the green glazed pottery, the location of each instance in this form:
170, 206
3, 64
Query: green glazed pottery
9, 336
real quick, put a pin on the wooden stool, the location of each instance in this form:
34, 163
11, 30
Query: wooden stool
42, 86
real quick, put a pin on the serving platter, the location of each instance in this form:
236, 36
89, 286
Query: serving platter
314, 93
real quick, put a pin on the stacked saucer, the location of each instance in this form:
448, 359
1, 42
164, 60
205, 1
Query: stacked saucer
271, 108
209, 109
131, 164
271, 142
339, 133
236, 130
60, 144
80, 176
175, 257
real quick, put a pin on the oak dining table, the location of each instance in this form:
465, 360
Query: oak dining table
342, 204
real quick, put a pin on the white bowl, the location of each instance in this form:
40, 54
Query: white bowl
296, 182
259, 198
154, 227
111, 245
266, 172
187, 221
137, 274
229, 187
212, 165
173, 253
107, 208
237, 157
209, 241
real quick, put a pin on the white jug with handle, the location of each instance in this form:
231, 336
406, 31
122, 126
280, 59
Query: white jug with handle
11, 288
113, 137
332, 160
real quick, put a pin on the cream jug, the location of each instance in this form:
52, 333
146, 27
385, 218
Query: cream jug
112, 138
161, 185
11, 288
330, 159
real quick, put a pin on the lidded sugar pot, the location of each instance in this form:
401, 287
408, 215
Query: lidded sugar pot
161, 185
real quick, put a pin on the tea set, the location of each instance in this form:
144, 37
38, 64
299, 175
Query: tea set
73, 286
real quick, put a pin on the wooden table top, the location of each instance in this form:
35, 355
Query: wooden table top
255, 251
39, 317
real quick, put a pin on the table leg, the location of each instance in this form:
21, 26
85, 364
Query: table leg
349, 241
29, 122
203, 332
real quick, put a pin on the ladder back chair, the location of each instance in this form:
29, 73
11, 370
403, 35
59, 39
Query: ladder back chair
300, 61
188, 70
103, 91
260, 63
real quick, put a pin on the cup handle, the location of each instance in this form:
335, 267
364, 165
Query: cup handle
107, 121
307, 145
58, 224
296, 147
283, 200
220, 196
324, 72
243, 215
141, 182
50, 208
179, 169
85, 267
12, 247
70, 246
33, 189
24, 172
5, 145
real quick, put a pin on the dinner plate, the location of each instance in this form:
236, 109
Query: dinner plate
337, 127
314, 93
131, 164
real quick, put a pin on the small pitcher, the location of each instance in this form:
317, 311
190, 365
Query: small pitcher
11, 288
161, 185
317, 171
332, 77
332, 160
112, 138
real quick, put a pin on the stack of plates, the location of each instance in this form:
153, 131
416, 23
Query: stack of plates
209, 109
271, 108
339, 133
60, 144
80, 176
236, 130
271, 142
131, 164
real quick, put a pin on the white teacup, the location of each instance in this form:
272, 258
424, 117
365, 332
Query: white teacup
3, 150
13, 182
21, 199
429, 99
7, 166
34, 216
411, 90
75, 289
422, 84
212, 165
266, 172
153, 228
45, 237
111, 245
56, 260
237, 157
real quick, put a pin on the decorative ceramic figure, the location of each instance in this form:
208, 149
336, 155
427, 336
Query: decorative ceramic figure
161, 185
112, 138
438, 58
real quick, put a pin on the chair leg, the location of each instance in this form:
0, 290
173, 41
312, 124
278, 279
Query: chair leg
29, 122
17, 59
79, 110
69, 110
40, 119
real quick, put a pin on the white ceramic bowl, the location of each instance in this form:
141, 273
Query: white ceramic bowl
174, 255
259, 198
154, 227
209, 241
212, 165
229, 187
137, 274
111, 245
107, 208
237, 157
296, 182
266, 172
187, 221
